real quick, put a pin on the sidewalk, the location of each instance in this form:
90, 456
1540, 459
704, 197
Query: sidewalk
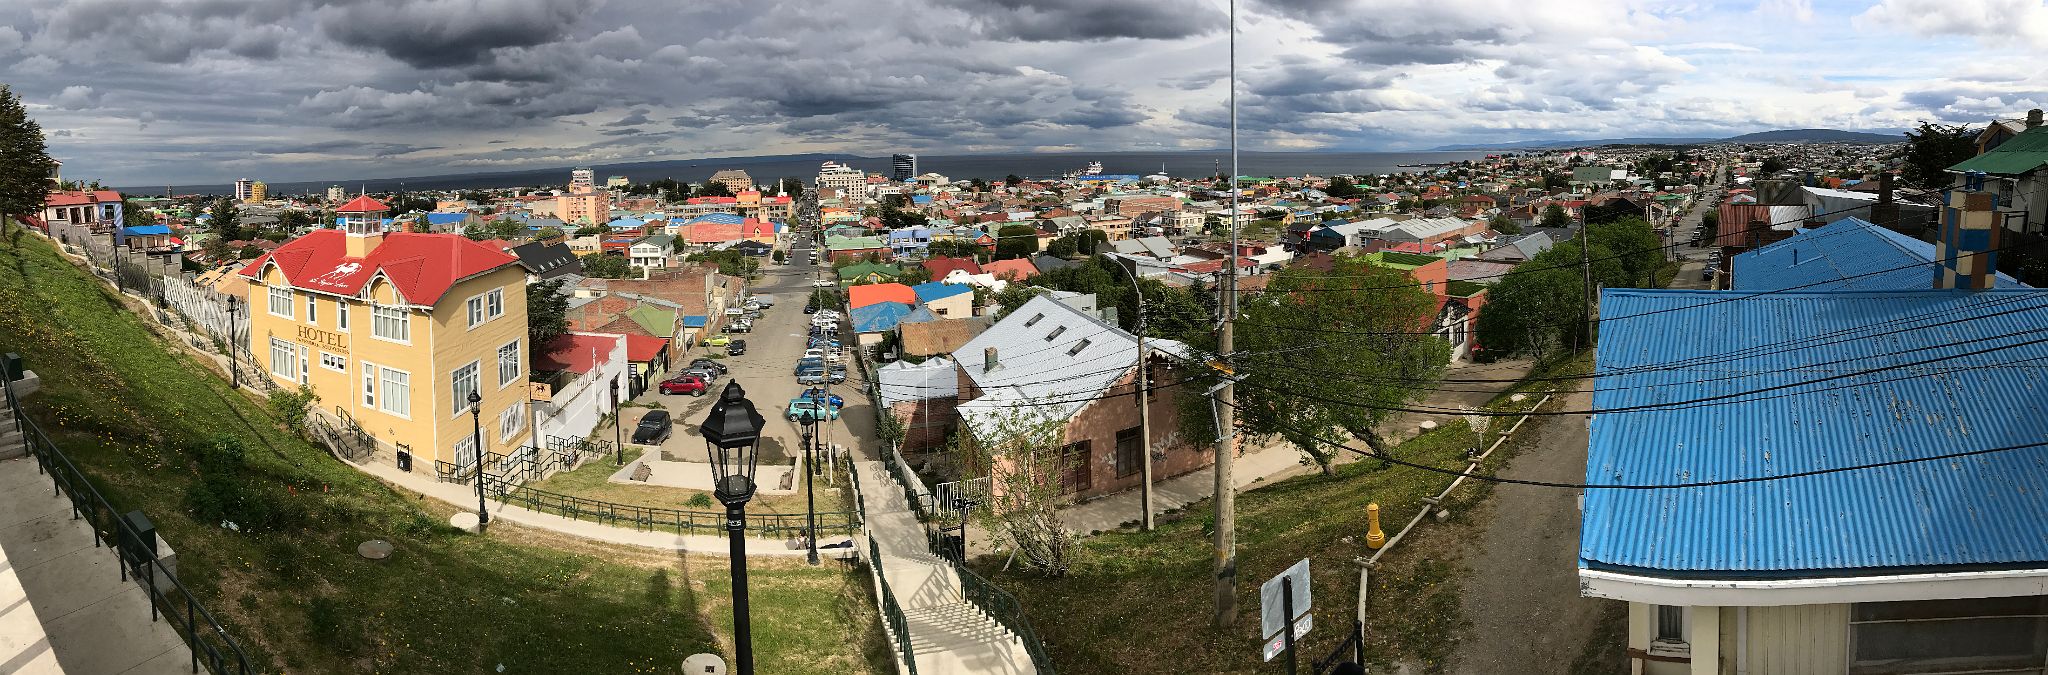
948, 634
63, 604
1257, 467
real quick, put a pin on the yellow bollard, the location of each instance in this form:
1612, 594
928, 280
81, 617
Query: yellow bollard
1374, 538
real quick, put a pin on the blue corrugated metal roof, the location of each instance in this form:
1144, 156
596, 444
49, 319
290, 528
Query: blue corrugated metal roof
938, 290
695, 321
1850, 254
1977, 510
446, 218
878, 317
145, 230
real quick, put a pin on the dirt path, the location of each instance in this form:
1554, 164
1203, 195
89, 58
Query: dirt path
1522, 596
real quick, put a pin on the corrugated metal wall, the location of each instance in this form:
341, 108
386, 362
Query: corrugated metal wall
1796, 639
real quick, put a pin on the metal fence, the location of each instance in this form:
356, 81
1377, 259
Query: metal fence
950, 497
653, 518
899, 625
169, 600
566, 453
1005, 609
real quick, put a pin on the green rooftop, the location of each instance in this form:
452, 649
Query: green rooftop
1398, 260
861, 269
659, 322
1463, 289
2019, 155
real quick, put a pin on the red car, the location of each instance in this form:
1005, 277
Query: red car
687, 384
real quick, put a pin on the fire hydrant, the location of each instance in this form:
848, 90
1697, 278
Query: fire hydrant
1374, 538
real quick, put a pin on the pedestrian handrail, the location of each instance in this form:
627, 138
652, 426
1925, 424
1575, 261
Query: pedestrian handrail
920, 501
899, 625
169, 599
652, 518
1006, 610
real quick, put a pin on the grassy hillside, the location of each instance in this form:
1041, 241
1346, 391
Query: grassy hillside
135, 414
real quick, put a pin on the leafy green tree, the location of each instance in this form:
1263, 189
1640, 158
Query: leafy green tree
506, 228
605, 266
1385, 360
1637, 249
1931, 149
1540, 306
225, 220
1771, 166
588, 230
979, 185
792, 186
1016, 241
1342, 188
1554, 216
1503, 224
293, 220
548, 233
547, 315
1013, 180
914, 275
1014, 296
25, 164
1063, 247
713, 189
952, 248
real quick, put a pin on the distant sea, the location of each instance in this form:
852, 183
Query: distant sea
959, 167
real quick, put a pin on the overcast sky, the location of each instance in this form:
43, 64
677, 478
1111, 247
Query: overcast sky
190, 91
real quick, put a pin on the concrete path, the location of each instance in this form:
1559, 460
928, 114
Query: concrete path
63, 605
947, 633
464, 496
1523, 591
1252, 469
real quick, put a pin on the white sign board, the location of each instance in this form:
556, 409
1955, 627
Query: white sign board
1270, 608
1279, 642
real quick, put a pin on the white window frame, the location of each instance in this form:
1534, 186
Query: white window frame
369, 386
281, 297
485, 307
305, 365
312, 309
475, 308
341, 315
468, 443
518, 369
404, 320
455, 392
334, 362
1663, 646
285, 366
511, 421
384, 396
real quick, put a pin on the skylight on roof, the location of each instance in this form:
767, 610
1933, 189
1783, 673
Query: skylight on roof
1078, 346
1055, 334
1034, 320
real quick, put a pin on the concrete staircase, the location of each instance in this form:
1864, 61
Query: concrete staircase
11, 445
948, 634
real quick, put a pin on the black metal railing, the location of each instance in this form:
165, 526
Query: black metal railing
448, 472
920, 503
1006, 610
899, 625
653, 518
566, 453
170, 600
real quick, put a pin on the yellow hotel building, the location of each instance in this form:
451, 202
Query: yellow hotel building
396, 329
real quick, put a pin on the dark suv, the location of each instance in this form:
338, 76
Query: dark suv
736, 348
711, 364
653, 429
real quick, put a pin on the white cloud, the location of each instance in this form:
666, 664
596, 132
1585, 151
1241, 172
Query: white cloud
76, 97
2021, 23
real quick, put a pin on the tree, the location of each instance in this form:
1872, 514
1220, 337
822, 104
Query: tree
1013, 180
1932, 149
1503, 224
1554, 216
978, 184
1636, 248
792, 186
506, 228
1015, 295
780, 255
1022, 452
1387, 358
914, 275
1063, 247
548, 233
547, 316
713, 189
1016, 241
588, 230
226, 220
1342, 188
25, 164
293, 220
951, 248
606, 266
1540, 306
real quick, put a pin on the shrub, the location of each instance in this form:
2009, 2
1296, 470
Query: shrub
291, 406
700, 500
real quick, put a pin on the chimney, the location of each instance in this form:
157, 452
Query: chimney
2033, 118
1966, 252
360, 245
989, 364
1885, 213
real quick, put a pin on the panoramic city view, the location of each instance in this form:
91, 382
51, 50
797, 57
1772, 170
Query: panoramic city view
928, 337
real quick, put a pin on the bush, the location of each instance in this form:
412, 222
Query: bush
228, 492
700, 500
291, 406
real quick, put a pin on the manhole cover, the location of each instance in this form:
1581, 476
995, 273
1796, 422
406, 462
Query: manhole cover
374, 549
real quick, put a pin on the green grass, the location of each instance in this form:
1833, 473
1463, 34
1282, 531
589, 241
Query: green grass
592, 480
127, 410
1141, 602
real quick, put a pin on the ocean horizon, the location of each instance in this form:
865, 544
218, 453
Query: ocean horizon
766, 169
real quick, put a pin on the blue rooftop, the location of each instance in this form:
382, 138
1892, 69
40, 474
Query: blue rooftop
938, 290
878, 317
1850, 254
1974, 511
625, 223
145, 230
720, 218
446, 218
920, 199
695, 321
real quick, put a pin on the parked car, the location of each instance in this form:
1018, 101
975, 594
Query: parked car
764, 300
812, 375
718, 341
736, 348
814, 352
710, 363
807, 410
810, 309
653, 429
706, 374
838, 373
740, 327
685, 384
821, 283
817, 394
809, 362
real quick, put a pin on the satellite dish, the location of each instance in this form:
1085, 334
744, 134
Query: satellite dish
704, 664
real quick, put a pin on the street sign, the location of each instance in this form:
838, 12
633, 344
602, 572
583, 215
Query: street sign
1270, 602
1279, 642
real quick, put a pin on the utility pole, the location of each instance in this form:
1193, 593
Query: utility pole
1226, 413
1144, 408
1586, 270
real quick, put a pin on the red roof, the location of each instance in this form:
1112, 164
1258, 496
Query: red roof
862, 296
362, 204
942, 266
644, 347
1016, 269
576, 353
422, 266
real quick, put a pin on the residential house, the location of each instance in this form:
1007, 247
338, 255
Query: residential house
868, 294
855, 248
653, 251
867, 273
942, 267
1015, 269
909, 241
922, 333
2016, 173
547, 261
1519, 249
922, 397
947, 301
578, 380
1048, 363
876, 319
398, 330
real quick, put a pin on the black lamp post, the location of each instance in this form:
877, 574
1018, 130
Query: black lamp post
618, 420
476, 416
810, 469
732, 439
234, 360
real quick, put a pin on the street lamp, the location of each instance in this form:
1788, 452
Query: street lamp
476, 416
732, 440
234, 360
618, 435
810, 468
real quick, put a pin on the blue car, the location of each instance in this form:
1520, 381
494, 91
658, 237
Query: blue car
816, 394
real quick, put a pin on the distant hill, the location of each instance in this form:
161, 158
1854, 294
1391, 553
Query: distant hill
1775, 136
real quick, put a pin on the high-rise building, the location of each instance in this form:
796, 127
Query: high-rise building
242, 187
336, 194
582, 180
258, 192
903, 167
849, 182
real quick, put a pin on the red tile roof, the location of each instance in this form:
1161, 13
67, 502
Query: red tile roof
422, 266
576, 353
362, 204
78, 198
942, 266
644, 348
862, 296
1017, 269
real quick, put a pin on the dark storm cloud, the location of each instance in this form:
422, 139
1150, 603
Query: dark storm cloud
1088, 20
635, 117
443, 33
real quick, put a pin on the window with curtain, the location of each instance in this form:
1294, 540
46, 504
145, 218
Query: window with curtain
463, 383
508, 363
397, 391
281, 301
391, 323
